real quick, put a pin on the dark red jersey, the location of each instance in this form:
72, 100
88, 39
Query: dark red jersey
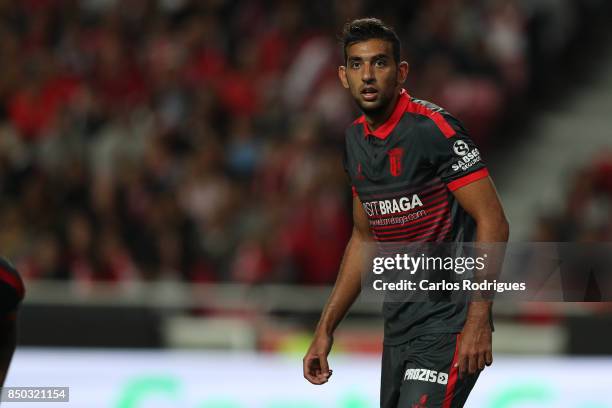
404, 173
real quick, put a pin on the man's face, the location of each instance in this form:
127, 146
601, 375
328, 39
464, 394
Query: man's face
372, 75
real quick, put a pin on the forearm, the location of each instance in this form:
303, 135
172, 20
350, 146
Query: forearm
347, 286
489, 232
493, 230
480, 200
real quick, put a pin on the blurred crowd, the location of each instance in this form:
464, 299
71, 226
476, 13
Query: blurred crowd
586, 211
201, 140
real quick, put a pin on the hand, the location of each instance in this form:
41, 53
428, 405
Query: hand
316, 369
475, 350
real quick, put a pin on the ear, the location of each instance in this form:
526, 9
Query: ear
342, 76
402, 72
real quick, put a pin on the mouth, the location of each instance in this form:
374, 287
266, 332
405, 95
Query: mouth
369, 93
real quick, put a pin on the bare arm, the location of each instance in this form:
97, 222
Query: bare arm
480, 200
348, 283
346, 290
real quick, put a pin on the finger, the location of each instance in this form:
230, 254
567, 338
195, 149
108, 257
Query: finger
311, 369
324, 367
305, 367
324, 364
472, 363
315, 371
312, 364
489, 358
481, 361
461, 365
309, 375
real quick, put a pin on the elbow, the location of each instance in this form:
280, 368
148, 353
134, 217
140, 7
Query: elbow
496, 229
504, 227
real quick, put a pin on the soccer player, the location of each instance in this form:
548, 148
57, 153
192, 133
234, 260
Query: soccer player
412, 152
11, 294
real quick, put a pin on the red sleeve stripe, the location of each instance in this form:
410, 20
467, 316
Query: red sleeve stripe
12, 281
467, 179
446, 129
354, 190
452, 377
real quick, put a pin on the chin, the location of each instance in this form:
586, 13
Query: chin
371, 107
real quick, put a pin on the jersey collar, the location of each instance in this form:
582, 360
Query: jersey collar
386, 128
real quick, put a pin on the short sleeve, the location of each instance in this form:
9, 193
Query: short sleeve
453, 154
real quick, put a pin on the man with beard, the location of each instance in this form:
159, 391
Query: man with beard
404, 150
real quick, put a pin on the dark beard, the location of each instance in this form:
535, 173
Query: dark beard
375, 112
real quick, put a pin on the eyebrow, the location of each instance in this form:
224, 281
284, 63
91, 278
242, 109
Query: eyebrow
375, 57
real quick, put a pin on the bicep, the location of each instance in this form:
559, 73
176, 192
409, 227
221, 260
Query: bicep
480, 200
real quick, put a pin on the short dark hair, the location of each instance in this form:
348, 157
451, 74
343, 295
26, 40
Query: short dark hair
363, 29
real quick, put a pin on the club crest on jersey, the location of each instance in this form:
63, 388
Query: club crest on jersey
395, 161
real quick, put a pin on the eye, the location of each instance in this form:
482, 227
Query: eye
355, 65
380, 63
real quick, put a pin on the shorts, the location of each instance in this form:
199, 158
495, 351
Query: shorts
420, 374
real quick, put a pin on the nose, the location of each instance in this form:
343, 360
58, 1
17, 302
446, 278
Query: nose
367, 74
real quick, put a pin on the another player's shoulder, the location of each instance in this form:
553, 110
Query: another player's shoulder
7, 269
431, 118
11, 285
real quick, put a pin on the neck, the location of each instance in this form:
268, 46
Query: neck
375, 119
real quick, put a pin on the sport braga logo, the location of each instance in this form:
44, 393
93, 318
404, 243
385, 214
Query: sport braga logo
395, 161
